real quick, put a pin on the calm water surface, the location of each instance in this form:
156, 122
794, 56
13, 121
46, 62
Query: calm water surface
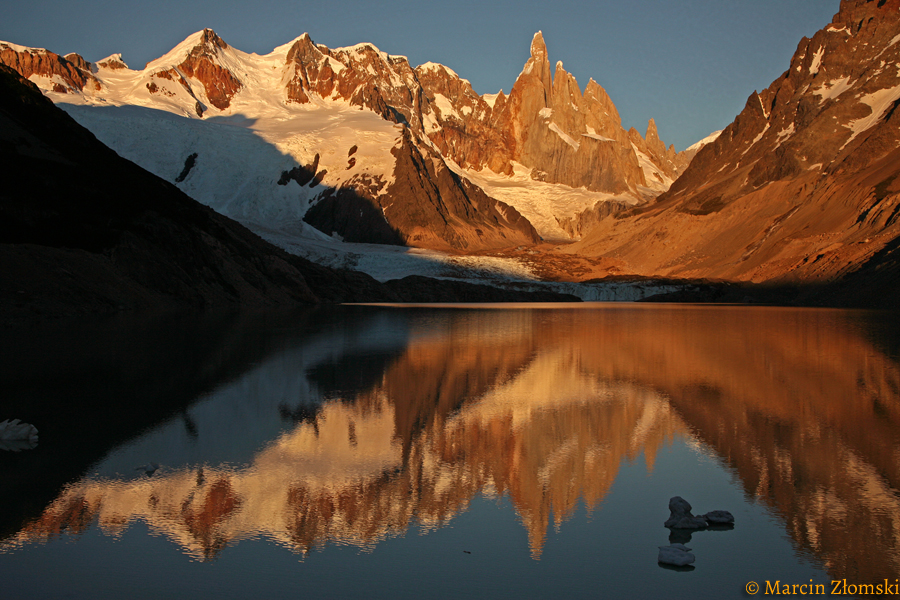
450, 452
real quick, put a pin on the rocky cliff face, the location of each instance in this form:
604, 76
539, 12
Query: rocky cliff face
203, 64
547, 124
65, 73
433, 206
829, 112
427, 205
361, 74
564, 136
462, 124
802, 186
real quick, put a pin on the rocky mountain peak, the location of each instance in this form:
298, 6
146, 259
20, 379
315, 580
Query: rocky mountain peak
575, 138
361, 74
113, 62
655, 144
203, 63
538, 47
209, 40
303, 49
652, 135
856, 14
72, 69
597, 95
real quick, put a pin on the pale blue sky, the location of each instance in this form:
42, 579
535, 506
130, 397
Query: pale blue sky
688, 64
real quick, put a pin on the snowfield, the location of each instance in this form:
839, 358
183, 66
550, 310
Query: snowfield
240, 158
543, 204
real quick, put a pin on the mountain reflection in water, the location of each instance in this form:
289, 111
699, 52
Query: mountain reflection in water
403, 422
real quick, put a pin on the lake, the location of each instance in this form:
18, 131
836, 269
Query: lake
525, 451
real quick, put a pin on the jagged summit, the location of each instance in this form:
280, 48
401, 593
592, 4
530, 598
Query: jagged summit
113, 61
538, 46
576, 138
203, 41
203, 73
61, 74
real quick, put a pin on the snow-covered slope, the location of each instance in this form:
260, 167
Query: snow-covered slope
707, 140
238, 160
240, 151
544, 204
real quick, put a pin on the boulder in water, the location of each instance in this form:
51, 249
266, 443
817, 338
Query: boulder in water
680, 516
678, 555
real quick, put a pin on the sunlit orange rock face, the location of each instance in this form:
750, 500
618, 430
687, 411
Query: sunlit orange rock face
802, 186
71, 71
545, 123
542, 407
548, 117
202, 64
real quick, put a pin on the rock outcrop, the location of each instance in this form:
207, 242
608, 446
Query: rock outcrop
680, 516
427, 205
16, 436
677, 555
585, 220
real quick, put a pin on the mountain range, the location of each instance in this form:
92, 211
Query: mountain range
310, 146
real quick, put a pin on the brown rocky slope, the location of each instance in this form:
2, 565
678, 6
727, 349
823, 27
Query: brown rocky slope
802, 187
